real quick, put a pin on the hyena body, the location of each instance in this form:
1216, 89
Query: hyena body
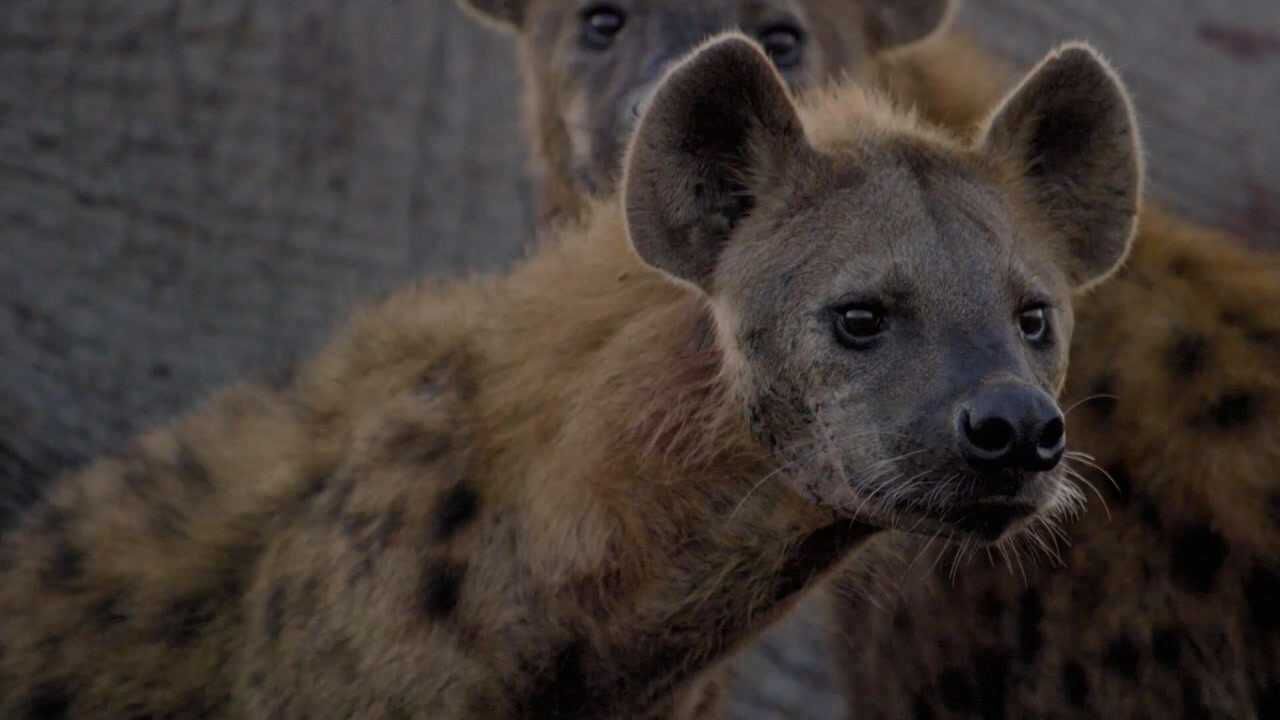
568, 491
1175, 376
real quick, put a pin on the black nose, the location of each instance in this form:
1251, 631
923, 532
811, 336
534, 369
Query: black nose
1012, 427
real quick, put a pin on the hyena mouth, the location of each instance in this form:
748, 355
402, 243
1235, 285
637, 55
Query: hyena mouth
990, 520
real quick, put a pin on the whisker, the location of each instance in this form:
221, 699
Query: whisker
1089, 399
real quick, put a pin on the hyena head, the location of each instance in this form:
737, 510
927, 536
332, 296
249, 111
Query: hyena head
894, 306
591, 67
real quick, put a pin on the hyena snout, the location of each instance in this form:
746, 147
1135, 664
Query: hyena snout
1011, 427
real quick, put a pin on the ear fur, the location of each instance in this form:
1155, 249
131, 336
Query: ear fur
720, 121
1071, 129
898, 23
506, 15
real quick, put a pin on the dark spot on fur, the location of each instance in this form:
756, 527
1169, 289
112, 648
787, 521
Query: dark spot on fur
1120, 481
273, 618
441, 586
456, 509
1268, 701
561, 691
902, 620
1233, 410
1030, 615
66, 566
1197, 555
1193, 707
356, 525
1123, 658
1187, 355
992, 669
922, 710
186, 618
1166, 646
1262, 592
1182, 266
50, 701
1102, 397
109, 611
956, 691
1075, 684
818, 552
411, 443
1150, 514
991, 606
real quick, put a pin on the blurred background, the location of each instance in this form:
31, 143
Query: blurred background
196, 191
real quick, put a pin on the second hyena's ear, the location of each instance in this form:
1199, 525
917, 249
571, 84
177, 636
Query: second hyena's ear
1071, 130
506, 14
895, 23
719, 127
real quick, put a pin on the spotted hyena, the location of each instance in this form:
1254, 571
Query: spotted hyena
590, 67
565, 491
1176, 376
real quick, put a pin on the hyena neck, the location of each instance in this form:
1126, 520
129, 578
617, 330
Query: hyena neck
656, 514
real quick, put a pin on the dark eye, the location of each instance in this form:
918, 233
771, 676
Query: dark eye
1034, 324
601, 25
858, 326
783, 43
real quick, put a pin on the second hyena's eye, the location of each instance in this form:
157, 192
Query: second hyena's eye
601, 25
859, 326
783, 43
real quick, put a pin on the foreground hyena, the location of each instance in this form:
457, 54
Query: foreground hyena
565, 491
1177, 361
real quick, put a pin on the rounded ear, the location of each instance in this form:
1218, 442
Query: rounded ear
719, 125
505, 14
1070, 129
895, 23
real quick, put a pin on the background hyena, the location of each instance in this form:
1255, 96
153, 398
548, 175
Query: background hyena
589, 68
1175, 379
545, 494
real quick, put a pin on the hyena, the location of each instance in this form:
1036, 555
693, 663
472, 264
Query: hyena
589, 68
1175, 382
568, 490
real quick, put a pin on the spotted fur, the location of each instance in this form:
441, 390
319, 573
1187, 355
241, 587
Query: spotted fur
1174, 370
540, 494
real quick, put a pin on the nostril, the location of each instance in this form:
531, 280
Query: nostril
1050, 445
1052, 436
993, 436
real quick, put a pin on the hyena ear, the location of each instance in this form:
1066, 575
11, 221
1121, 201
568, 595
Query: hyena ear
895, 23
1070, 128
506, 14
720, 125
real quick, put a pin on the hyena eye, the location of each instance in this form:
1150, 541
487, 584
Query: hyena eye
858, 326
601, 25
783, 44
1034, 323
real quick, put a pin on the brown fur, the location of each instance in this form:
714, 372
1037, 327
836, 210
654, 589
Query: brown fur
1185, 335
535, 494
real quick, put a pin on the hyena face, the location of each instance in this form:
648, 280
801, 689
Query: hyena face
895, 307
592, 66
